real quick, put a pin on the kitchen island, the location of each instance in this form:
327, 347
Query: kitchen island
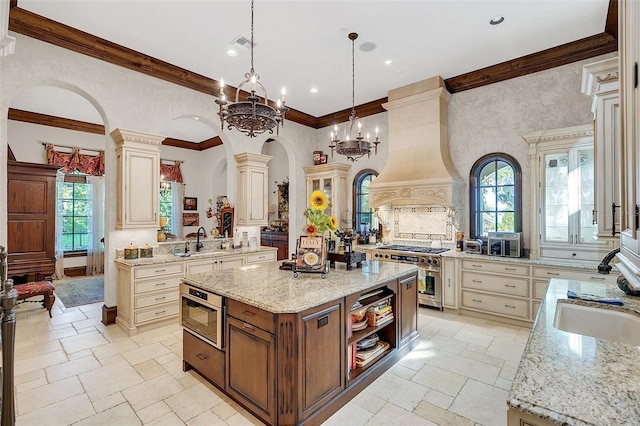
288, 352
574, 379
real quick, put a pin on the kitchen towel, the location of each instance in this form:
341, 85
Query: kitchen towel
593, 298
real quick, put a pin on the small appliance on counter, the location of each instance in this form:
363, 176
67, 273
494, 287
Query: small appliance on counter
505, 244
472, 246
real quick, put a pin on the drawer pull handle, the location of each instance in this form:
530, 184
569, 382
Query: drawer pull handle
160, 298
161, 270
201, 357
510, 285
160, 284
509, 269
510, 306
160, 312
248, 328
476, 300
476, 266
552, 273
477, 281
249, 313
598, 278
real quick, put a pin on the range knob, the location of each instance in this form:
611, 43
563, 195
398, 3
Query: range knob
435, 261
430, 260
386, 256
422, 260
376, 255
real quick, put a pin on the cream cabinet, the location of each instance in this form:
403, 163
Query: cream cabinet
496, 288
563, 192
449, 279
148, 295
138, 179
253, 189
262, 256
332, 180
600, 81
210, 264
629, 50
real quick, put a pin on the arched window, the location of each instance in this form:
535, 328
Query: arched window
361, 211
495, 189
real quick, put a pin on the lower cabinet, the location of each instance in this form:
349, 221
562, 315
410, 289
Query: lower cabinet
251, 368
408, 312
203, 357
518, 418
449, 288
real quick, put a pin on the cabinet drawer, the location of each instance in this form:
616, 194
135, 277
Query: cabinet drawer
208, 360
162, 312
496, 283
155, 299
501, 268
569, 253
496, 304
266, 256
157, 270
160, 283
572, 274
539, 288
254, 316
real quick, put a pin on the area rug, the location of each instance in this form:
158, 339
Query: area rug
80, 291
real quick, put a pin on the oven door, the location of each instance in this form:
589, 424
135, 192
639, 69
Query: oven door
201, 319
429, 288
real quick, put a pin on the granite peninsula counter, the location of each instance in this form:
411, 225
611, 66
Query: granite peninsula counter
289, 351
572, 379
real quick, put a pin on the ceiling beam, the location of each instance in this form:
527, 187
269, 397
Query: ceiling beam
195, 146
41, 28
53, 121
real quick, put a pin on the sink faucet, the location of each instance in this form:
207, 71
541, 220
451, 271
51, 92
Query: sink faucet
204, 235
604, 267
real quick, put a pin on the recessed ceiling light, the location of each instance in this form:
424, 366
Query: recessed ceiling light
388, 62
496, 20
196, 118
314, 90
232, 52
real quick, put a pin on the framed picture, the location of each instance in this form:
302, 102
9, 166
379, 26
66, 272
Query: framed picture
190, 219
190, 203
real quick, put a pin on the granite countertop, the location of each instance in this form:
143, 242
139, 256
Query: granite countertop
170, 258
589, 266
267, 287
572, 379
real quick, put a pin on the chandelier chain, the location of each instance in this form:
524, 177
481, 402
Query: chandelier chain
252, 71
353, 74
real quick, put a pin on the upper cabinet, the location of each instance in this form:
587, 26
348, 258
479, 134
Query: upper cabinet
629, 49
562, 167
600, 81
332, 179
253, 189
138, 179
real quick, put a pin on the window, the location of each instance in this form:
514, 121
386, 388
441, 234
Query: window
495, 187
361, 211
73, 193
166, 204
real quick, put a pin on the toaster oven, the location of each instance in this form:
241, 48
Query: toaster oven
472, 246
505, 244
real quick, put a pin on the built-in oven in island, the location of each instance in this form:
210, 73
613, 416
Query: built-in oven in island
201, 314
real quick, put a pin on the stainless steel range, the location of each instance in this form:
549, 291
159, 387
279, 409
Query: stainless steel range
428, 259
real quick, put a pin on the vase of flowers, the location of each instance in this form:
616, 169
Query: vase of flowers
318, 222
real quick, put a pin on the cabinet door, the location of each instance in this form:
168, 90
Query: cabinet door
322, 367
208, 360
140, 189
283, 249
449, 289
408, 298
251, 361
230, 262
201, 266
253, 193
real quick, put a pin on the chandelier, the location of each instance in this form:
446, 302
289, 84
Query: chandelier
251, 117
360, 146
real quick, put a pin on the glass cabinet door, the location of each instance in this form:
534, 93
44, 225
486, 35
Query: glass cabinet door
556, 197
587, 231
327, 190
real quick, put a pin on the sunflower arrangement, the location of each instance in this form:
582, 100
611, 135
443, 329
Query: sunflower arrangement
317, 221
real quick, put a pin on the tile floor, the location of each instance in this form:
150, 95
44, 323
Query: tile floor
72, 370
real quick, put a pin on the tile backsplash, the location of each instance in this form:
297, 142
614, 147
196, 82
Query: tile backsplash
422, 223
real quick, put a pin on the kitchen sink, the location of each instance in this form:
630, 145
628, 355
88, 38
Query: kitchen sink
598, 322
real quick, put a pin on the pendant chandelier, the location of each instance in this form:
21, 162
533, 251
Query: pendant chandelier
251, 117
359, 146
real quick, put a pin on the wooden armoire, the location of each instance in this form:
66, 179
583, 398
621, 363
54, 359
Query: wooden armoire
31, 220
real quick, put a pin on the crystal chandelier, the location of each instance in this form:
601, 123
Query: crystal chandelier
251, 117
360, 146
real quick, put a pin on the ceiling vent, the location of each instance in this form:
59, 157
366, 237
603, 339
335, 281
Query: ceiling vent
242, 42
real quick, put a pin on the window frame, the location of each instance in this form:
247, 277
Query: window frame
355, 193
474, 189
168, 227
75, 178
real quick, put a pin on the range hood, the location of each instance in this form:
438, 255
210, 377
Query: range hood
418, 171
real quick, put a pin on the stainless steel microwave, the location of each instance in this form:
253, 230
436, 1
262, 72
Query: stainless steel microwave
505, 244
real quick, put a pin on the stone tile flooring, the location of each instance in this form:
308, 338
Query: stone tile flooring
71, 369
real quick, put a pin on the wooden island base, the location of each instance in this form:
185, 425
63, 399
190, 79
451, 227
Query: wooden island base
296, 368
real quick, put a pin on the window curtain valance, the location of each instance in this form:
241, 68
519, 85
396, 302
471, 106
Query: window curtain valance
70, 162
171, 172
